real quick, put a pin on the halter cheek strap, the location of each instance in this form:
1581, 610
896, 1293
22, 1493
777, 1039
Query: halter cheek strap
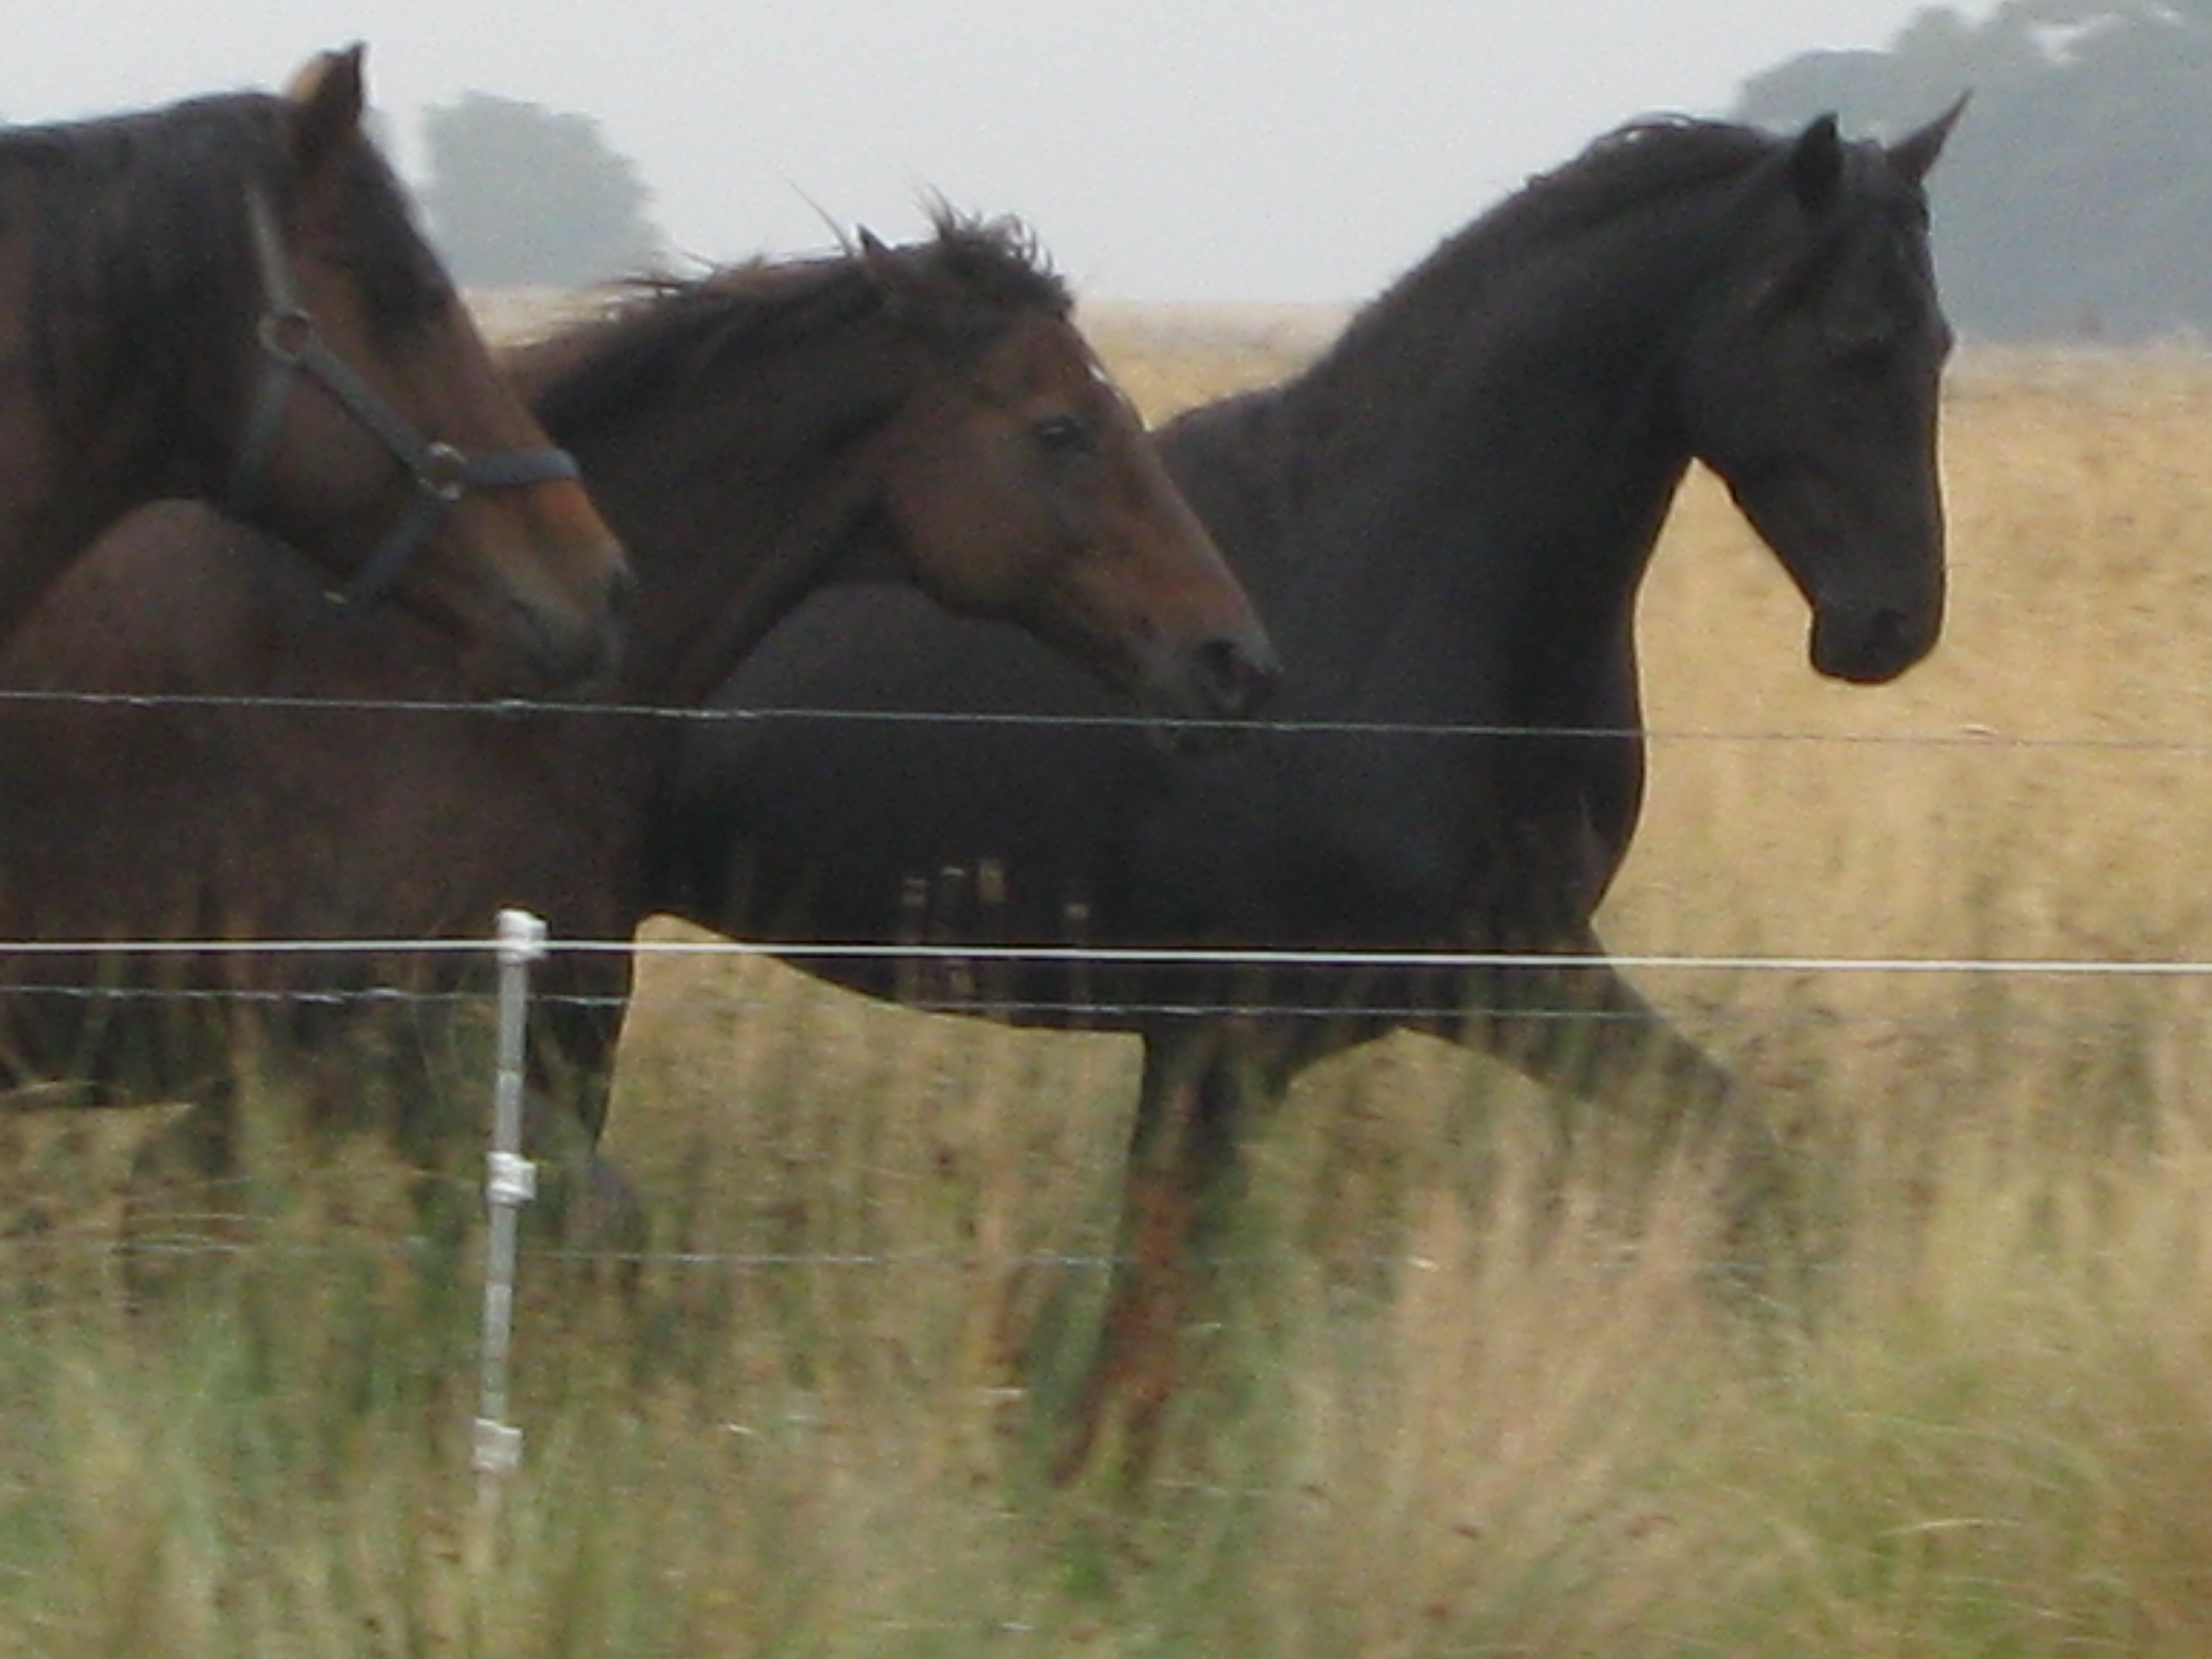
442, 473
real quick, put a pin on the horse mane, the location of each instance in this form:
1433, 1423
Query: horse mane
136, 229
817, 335
1622, 170
1615, 175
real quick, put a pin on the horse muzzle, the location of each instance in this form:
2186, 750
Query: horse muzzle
1870, 642
1210, 689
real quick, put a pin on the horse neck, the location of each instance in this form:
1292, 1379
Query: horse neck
1496, 403
723, 550
57, 492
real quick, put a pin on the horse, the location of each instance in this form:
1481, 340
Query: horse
254, 763
227, 299
1446, 519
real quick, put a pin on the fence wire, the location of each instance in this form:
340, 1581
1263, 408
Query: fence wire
1970, 735
1211, 963
1267, 993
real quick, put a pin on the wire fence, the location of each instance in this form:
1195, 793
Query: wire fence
924, 954
520, 944
1289, 984
1967, 736
1079, 958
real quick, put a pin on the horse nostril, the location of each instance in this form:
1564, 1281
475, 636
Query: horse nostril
1235, 681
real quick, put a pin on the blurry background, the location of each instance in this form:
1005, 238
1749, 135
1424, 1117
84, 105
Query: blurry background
1225, 151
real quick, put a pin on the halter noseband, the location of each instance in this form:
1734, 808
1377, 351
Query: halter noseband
443, 474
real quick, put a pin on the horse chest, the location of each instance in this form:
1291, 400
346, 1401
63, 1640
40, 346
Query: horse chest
1408, 839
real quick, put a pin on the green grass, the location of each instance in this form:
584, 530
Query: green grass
1445, 1413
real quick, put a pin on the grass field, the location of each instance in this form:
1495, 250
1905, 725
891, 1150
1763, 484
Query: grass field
1432, 1422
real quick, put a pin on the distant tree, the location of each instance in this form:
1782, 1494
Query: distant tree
519, 194
2075, 199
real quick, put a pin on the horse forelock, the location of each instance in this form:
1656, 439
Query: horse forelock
983, 272
402, 282
1871, 242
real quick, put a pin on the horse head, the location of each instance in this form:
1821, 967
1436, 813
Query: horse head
377, 433
1812, 383
1019, 481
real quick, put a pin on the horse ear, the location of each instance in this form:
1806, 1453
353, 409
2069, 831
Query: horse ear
1816, 164
1915, 154
327, 96
901, 291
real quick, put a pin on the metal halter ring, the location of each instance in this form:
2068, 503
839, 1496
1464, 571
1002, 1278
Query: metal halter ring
287, 333
443, 473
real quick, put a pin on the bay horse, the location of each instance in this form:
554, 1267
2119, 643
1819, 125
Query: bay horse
1446, 519
927, 413
227, 299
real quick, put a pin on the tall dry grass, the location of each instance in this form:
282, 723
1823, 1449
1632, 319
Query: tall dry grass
1449, 1408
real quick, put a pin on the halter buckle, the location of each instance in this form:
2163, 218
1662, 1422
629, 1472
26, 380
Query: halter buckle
443, 473
287, 333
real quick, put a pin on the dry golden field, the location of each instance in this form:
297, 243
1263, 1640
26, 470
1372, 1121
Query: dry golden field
1413, 1431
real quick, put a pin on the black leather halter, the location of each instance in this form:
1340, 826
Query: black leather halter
442, 473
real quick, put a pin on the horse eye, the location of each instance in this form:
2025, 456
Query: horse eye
1063, 434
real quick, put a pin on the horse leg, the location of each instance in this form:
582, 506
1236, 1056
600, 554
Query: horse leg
1587, 1034
1182, 1159
588, 1206
585, 1206
1586, 1031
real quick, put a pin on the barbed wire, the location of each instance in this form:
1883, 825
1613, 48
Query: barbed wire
1256, 959
274, 1243
957, 979
1106, 1014
180, 1235
1972, 736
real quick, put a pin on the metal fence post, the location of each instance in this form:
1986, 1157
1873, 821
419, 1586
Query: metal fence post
510, 1181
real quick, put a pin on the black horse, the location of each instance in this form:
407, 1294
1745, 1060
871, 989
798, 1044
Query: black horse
1446, 520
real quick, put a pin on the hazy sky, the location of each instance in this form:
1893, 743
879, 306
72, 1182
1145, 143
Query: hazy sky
1199, 149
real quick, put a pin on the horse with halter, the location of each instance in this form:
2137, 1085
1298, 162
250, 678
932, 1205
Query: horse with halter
228, 300
234, 758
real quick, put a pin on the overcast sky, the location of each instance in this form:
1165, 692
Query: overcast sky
1194, 149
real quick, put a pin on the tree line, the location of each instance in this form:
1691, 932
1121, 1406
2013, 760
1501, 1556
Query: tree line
520, 195
2074, 201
